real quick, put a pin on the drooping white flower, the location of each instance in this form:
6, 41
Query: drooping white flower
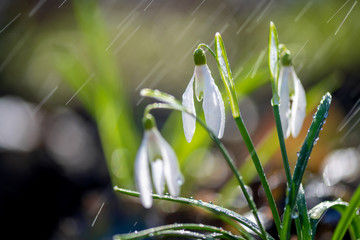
292, 101
156, 162
207, 91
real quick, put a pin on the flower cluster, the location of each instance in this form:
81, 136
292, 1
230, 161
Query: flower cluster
156, 162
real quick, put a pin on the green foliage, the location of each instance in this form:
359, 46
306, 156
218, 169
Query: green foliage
311, 138
347, 218
104, 95
217, 210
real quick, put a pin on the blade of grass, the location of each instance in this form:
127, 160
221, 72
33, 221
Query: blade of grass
347, 216
305, 227
204, 205
317, 212
304, 154
156, 231
226, 75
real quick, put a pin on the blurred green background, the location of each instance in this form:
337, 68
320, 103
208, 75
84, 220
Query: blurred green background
70, 110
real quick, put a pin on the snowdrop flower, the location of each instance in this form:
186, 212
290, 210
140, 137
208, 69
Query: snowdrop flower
292, 97
208, 92
155, 157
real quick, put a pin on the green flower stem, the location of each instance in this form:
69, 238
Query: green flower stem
260, 170
282, 144
239, 178
208, 48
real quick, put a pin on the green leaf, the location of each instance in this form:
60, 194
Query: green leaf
347, 216
163, 97
317, 212
274, 61
226, 75
204, 205
174, 228
306, 230
223, 61
355, 228
304, 154
311, 139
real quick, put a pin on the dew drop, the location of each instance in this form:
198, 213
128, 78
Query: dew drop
316, 140
180, 181
295, 214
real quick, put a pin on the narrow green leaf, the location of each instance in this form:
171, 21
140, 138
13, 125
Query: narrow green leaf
355, 228
304, 154
274, 61
163, 97
311, 139
156, 231
204, 205
223, 60
317, 212
306, 230
347, 216
225, 73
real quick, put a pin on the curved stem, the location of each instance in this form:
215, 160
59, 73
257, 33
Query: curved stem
260, 171
208, 48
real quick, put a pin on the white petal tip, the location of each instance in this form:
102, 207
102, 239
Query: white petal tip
146, 201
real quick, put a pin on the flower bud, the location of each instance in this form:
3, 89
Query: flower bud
199, 57
285, 56
148, 121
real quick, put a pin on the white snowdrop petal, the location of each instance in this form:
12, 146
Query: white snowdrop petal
172, 173
298, 109
199, 72
189, 122
157, 170
142, 174
284, 92
213, 106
